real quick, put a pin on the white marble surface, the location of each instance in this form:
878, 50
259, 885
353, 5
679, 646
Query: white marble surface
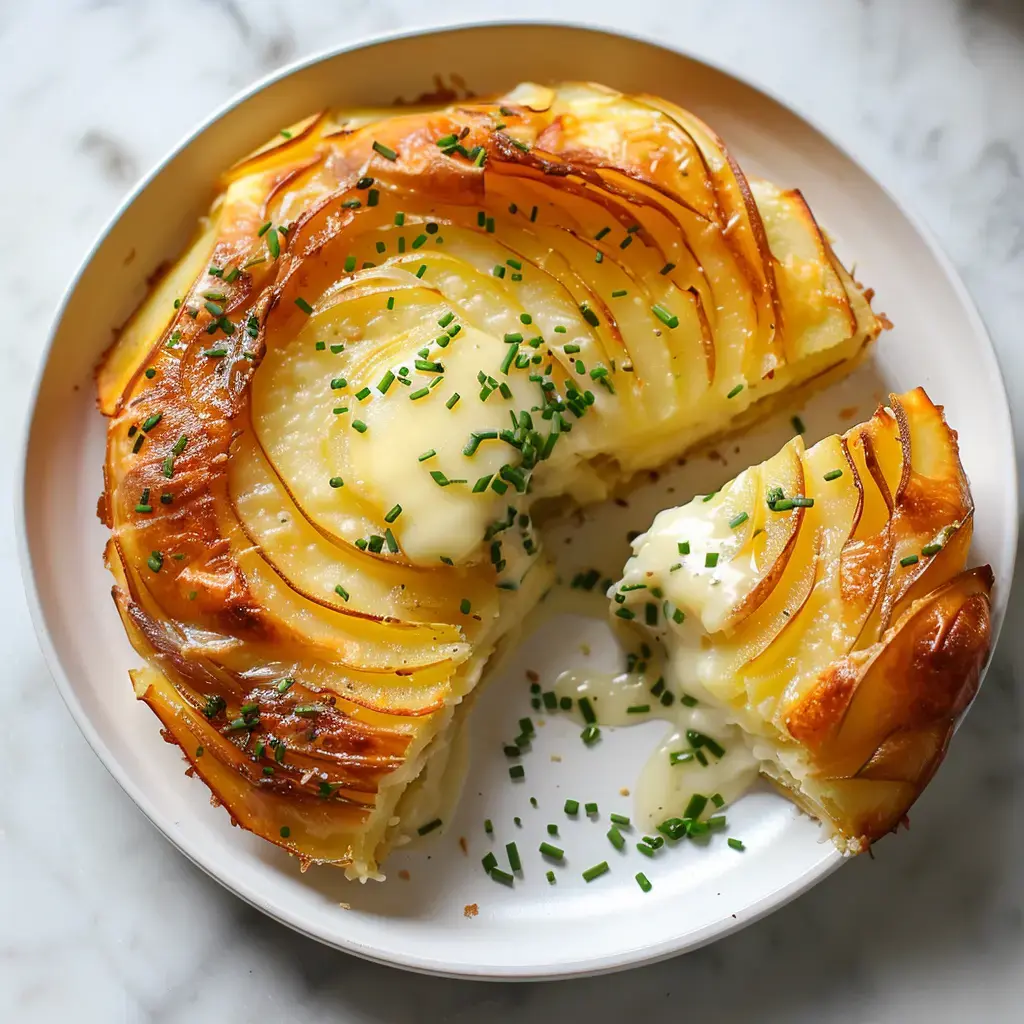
103, 921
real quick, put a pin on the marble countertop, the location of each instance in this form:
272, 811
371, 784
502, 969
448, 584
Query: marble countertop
104, 921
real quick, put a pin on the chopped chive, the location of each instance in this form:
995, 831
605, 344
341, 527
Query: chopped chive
155, 561
548, 850
931, 549
735, 391
502, 876
336, 481
619, 293
833, 474
595, 872
590, 808
489, 862
513, 857
798, 425
385, 151
696, 806
736, 844
625, 613
638, 709
359, 425
666, 316
698, 739
517, 771
587, 710
465, 606
429, 827
552, 830
909, 560
738, 520
647, 851
801, 502
550, 876
571, 806
615, 838
711, 560
589, 315
304, 305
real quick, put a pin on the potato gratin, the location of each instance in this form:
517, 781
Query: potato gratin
818, 609
398, 339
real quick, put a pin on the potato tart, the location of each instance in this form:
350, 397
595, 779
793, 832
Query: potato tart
400, 339
819, 604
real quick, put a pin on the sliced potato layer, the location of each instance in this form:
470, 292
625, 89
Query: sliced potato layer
395, 331
821, 598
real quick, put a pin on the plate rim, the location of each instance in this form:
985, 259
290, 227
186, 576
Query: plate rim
608, 963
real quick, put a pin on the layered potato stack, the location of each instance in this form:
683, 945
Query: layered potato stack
399, 338
820, 600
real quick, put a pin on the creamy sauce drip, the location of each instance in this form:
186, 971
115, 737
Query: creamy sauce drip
664, 789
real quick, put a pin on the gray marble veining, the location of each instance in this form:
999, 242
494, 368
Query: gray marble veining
104, 921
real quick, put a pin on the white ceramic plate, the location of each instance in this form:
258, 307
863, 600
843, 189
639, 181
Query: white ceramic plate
535, 930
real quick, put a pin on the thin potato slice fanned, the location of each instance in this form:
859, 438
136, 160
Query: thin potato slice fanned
334, 419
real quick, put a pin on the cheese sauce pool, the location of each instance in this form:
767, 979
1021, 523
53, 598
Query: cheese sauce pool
664, 788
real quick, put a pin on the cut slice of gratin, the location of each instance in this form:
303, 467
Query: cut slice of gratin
818, 607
